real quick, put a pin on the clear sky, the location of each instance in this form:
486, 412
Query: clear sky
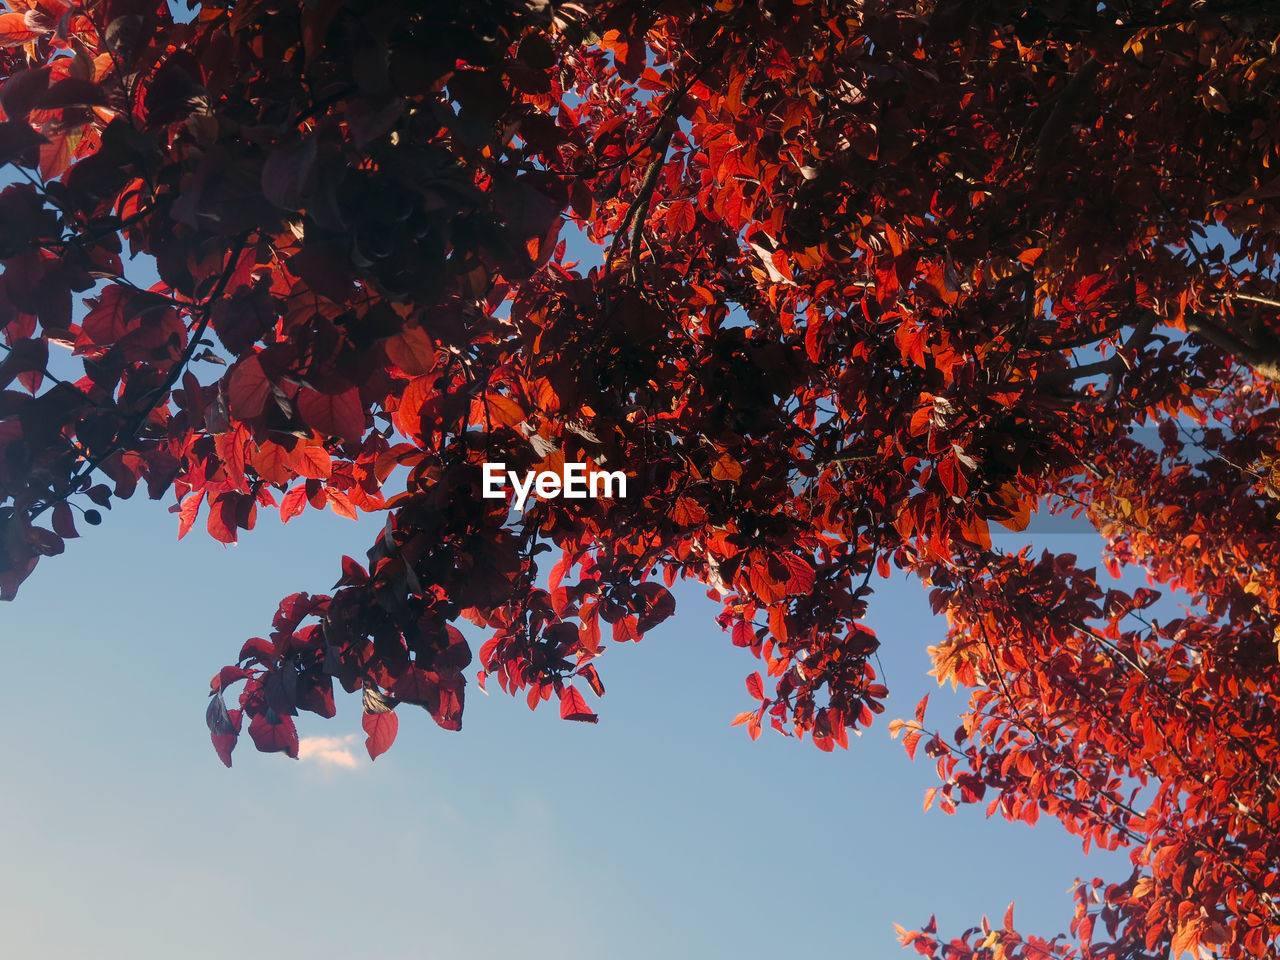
660, 832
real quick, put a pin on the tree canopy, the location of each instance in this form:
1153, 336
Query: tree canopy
873, 276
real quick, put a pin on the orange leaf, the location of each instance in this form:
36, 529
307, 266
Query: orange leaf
910, 742
408, 415
272, 462
14, 31
341, 504
496, 410
688, 512
413, 351
726, 468
187, 513
313, 460
293, 503
911, 340
57, 154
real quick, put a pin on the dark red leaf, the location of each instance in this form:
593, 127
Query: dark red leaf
72, 92
248, 388
333, 415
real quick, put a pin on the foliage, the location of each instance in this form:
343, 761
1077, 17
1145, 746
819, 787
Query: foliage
875, 276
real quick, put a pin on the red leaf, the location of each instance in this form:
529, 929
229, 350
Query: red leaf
800, 575
408, 415
839, 732
223, 744
353, 574
496, 410
658, 605
274, 733
187, 512
333, 415
755, 686
681, 216
592, 677
688, 512
341, 504
814, 336
418, 686
726, 468
911, 341
222, 520
293, 503
381, 729
626, 629
573, 707
589, 629
952, 476
312, 460
105, 323
274, 462
256, 648
248, 388
57, 154
227, 676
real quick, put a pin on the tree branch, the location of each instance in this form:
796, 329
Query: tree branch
1264, 361
639, 208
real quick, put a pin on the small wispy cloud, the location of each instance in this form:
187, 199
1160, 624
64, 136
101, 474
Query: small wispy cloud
329, 751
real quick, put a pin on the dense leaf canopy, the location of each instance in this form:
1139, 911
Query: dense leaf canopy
872, 276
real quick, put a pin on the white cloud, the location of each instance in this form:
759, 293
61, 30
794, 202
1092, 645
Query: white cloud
329, 751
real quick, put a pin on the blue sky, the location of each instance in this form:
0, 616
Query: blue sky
660, 832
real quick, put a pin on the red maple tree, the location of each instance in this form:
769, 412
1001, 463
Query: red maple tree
874, 276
